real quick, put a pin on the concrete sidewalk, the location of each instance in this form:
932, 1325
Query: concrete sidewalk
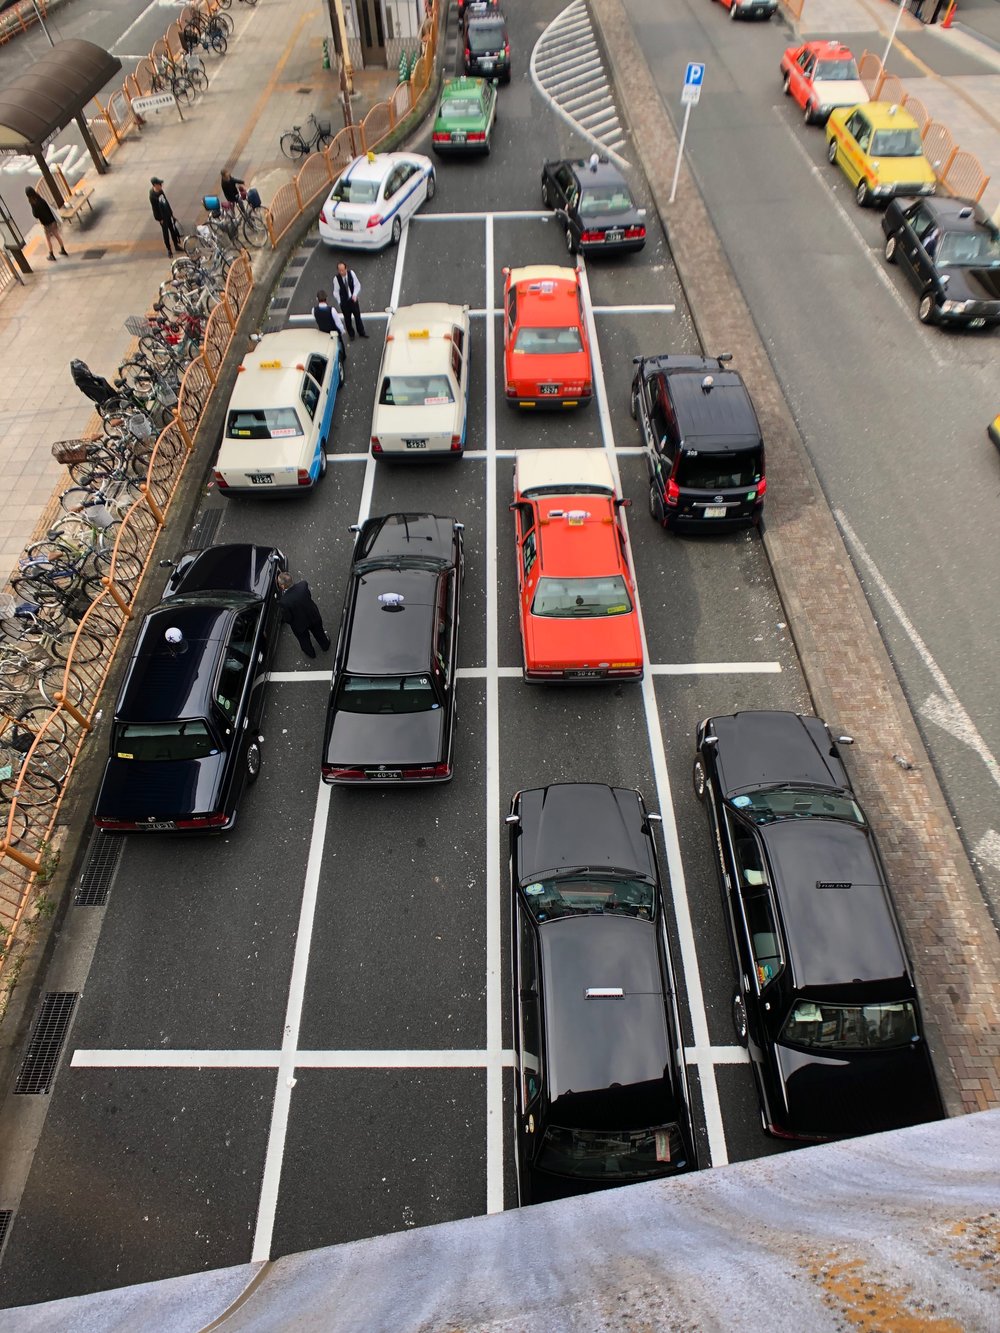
271, 78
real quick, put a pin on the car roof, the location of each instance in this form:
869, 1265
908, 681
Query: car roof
271, 374
719, 418
384, 642
418, 337
602, 172
463, 86
596, 1044
406, 537
566, 471
839, 924
549, 293
163, 682
887, 116
581, 541
959, 214
829, 50
581, 823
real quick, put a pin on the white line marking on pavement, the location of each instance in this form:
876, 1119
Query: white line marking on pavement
494, 1008
363, 1059
295, 677
160, 1059
960, 724
676, 878
716, 1055
155, 4
988, 848
714, 668
366, 315
512, 215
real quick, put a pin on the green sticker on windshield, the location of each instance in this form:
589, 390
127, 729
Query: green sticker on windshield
535, 889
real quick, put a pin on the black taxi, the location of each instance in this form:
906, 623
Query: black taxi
595, 205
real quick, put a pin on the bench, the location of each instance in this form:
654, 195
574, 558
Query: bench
75, 202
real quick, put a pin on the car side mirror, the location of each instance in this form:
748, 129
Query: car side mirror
945, 279
653, 818
642, 212
512, 819
355, 527
167, 564
637, 361
623, 503
845, 740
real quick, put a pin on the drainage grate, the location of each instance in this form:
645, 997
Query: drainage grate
102, 862
39, 1064
94, 254
299, 261
280, 302
288, 282
6, 1214
205, 530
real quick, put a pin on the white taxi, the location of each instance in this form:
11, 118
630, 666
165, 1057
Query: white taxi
280, 415
422, 390
373, 198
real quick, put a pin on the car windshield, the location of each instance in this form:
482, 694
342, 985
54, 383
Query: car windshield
612, 1154
460, 108
484, 37
850, 1027
839, 71
579, 599
790, 802
263, 423
548, 340
610, 199
386, 694
717, 471
415, 391
969, 249
164, 742
896, 143
583, 892
355, 192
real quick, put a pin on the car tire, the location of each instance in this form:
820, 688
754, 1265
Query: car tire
546, 195
831, 152
322, 459
927, 309
633, 404
733, 12
808, 113
253, 761
431, 186
862, 194
397, 230
655, 505
698, 779
571, 246
890, 249
740, 1020
343, 371
786, 85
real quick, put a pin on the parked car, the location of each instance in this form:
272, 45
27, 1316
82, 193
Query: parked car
949, 249
750, 9
576, 591
595, 204
373, 197
466, 115
825, 1000
704, 448
819, 76
993, 430
545, 342
878, 148
391, 715
602, 1092
185, 739
280, 415
422, 390
486, 42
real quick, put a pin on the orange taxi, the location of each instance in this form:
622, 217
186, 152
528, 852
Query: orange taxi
821, 76
576, 592
545, 344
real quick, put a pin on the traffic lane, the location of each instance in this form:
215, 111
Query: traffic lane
141, 1174
622, 336
398, 949
444, 260
741, 1116
372, 1151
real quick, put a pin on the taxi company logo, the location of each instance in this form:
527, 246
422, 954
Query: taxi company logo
833, 884
719, 499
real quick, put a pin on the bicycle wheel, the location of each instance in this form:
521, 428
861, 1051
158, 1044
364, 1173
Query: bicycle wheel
199, 79
293, 145
222, 24
52, 680
218, 43
18, 825
56, 726
254, 229
128, 567
225, 4
115, 407
158, 353
52, 755
183, 91
323, 140
84, 645
139, 377
53, 549
18, 671
37, 587
37, 788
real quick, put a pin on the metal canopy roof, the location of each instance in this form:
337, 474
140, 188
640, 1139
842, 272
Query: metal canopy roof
52, 93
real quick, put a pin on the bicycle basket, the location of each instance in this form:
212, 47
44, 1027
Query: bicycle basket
70, 451
137, 325
139, 425
212, 204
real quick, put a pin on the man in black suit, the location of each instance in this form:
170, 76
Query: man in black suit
303, 615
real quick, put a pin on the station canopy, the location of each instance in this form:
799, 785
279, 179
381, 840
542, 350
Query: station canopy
52, 93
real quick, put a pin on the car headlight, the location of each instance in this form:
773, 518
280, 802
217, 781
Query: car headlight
882, 189
928, 187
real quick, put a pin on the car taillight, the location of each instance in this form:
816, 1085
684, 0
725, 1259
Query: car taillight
304, 478
114, 825
510, 390
202, 821
220, 480
322, 215
477, 136
592, 236
331, 774
437, 137
588, 388
506, 49
468, 54
673, 492
456, 443
762, 487
634, 233
376, 445
427, 771
375, 220
544, 671
625, 669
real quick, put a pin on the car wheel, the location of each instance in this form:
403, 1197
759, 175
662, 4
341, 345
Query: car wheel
831, 152
861, 194
698, 778
570, 242
397, 230
546, 195
808, 114
633, 404
740, 1020
343, 369
927, 309
431, 185
253, 761
890, 249
655, 504
786, 85
322, 459
733, 12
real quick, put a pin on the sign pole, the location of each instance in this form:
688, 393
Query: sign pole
892, 35
680, 150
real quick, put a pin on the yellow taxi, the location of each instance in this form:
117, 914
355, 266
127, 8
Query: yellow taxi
877, 146
993, 430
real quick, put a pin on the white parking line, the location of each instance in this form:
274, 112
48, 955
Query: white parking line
362, 1059
513, 215
716, 1055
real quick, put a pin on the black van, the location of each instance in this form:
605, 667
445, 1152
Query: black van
704, 449
487, 45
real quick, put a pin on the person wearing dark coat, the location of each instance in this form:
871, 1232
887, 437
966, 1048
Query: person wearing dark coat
164, 215
230, 186
42, 212
301, 614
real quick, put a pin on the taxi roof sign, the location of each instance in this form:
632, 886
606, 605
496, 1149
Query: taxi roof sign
419, 333
269, 365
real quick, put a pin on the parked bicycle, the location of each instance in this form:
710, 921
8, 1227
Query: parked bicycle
294, 145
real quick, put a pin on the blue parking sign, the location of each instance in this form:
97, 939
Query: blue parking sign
694, 77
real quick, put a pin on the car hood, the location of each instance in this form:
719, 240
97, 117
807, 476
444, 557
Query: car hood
759, 749
862, 1092
555, 642
902, 170
972, 284
369, 739
839, 92
581, 824
141, 791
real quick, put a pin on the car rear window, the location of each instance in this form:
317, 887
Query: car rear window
580, 599
460, 108
263, 423
896, 143
164, 742
612, 1154
611, 199
716, 471
548, 340
355, 192
386, 694
486, 36
415, 391
850, 1027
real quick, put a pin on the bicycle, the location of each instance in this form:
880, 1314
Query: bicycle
295, 146
181, 87
247, 216
50, 761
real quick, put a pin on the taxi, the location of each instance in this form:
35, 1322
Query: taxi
545, 343
820, 76
993, 430
465, 118
280, 415
422, 395
878, 148
576, 591
373, 198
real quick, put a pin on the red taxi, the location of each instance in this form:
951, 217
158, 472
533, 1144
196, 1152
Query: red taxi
821, 76
576, 602
545, 345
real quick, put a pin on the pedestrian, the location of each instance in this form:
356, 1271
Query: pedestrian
348, 291
230, 186
164, 215
300, 612
42, 212
329, 320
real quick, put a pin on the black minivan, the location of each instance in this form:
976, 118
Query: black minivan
487, 44
704, 448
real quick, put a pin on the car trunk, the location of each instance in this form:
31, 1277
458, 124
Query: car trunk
146, 794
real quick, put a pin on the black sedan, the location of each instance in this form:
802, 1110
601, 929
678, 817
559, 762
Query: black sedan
391, 716
185, 739
595, 205
950, 251
602, 1094
825, 999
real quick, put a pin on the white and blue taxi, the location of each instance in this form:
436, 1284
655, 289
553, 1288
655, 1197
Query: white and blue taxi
280, 415
372, 199
422, 390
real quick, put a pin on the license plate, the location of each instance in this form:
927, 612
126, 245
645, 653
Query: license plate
260, 478
415, 444
345, 226
384, 774
487, 65
548, 388
584, 673
614, 234
976, 323
715, 511
158, 828
458, 136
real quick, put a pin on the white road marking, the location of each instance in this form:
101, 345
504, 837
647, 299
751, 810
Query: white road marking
297, 677
678, 884
716, 1055
988, 849
512, 215
362, 1059
714, 668
566, 55
652, 309
946, 705
154, 4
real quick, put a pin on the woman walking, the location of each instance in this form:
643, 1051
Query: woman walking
42, 212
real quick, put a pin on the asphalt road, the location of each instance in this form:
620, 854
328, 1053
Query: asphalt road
893, 414
299, 1034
